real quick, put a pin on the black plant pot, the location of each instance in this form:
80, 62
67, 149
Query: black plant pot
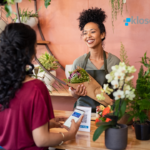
116, 139
142, 131
2, 2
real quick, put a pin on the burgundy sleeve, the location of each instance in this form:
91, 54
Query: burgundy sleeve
42, 107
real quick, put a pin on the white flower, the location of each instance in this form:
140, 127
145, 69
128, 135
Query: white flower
122, 64
109, 78
131, 69
107, 89
100, 96
130, 94
126, 87
114, 68
118, 94
123, 69
121, 83
127, 79
119, 76
115, 84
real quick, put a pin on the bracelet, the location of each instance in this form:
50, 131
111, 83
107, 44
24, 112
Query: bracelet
63, 137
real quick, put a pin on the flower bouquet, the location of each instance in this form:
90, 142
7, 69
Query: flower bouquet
122, 92
80, 76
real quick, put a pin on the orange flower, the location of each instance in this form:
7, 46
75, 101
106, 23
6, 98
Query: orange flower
107, 120
106, 111
97, 120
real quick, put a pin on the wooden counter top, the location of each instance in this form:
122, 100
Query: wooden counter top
84, 140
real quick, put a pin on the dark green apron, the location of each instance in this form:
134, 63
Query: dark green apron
99, 76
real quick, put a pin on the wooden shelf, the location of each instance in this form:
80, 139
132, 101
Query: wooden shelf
42, 42
61, 93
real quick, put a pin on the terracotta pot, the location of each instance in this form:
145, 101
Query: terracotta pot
116, 139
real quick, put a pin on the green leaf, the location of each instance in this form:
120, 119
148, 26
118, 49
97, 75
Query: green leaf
99, 131
123, 109
8, 9
47, 3
105, 123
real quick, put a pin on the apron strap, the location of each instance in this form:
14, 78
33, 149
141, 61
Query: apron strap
105, 61
85, 60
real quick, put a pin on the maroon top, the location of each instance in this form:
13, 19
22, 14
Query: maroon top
29, 109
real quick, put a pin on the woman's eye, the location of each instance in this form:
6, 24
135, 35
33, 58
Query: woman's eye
93, 32
84, 33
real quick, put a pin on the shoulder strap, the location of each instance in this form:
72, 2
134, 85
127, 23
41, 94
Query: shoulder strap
85, 60
105, 62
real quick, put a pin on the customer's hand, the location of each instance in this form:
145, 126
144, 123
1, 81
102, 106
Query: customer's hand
80, 91
57, 122
74, 127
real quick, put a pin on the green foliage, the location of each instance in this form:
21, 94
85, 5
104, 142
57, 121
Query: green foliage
141, 104
75, 78
119, 111
124, 58
8, 8
117, 7
25, 15
49, 62
47, 3
102, 127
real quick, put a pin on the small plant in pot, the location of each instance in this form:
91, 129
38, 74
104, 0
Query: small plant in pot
119, 85
140, 106
27, 17
50, 63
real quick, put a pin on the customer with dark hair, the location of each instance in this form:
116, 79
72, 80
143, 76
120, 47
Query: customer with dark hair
26, 112
97, 62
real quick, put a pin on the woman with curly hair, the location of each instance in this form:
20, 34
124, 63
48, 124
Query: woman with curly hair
97, 62
26, 112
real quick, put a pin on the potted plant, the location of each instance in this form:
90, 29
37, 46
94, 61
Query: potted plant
8, 4
50, 63
140, 106
27, 17
114, 132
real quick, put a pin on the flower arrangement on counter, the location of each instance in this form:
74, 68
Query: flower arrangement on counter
122, 92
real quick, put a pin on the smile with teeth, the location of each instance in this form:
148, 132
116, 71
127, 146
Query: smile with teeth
90, 41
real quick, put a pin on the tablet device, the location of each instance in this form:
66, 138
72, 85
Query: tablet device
75, 115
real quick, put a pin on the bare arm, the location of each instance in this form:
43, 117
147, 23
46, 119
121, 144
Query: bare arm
44, 138
80, 91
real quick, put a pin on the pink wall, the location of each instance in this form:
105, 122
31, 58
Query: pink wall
60, 27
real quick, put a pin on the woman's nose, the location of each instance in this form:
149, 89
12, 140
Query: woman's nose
88, 34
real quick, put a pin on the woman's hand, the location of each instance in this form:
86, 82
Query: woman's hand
74, 127
80, 91
57, 122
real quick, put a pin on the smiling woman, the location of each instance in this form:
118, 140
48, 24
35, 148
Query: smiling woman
97, 62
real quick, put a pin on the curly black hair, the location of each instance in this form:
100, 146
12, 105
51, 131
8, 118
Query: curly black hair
95, 15
17, 49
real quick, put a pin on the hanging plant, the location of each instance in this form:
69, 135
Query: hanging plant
117, 7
